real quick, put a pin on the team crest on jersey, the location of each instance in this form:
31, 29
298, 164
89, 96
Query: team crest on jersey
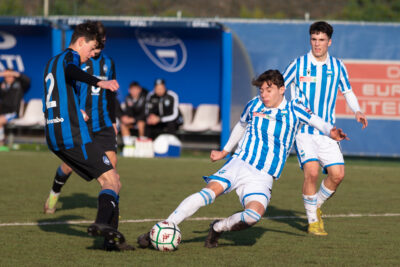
329, 72
106, 160
167, 102
105, 68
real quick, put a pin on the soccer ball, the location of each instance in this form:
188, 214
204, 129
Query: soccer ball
165, 236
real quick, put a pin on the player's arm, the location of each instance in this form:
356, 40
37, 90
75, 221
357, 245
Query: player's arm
289, 76
175, 109
350, 97
236, 134
306, 116
352, 102
73, 72
234, 138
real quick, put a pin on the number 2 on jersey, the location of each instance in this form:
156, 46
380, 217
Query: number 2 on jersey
50, 104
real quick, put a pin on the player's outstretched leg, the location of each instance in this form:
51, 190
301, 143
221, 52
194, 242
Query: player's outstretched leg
62, 174
328, 188
106, 223
187, 208
236, 222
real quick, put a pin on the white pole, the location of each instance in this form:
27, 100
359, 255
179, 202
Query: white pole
46, 8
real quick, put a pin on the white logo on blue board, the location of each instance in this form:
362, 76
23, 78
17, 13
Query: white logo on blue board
7, 41
106, 160
165, 49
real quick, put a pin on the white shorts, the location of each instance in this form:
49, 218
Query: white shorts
250, 184
321, 148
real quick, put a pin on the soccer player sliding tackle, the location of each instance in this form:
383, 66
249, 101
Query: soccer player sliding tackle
265, 133
67, 133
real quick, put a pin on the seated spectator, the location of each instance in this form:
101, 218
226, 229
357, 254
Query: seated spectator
163, 115
133, 115
12, 89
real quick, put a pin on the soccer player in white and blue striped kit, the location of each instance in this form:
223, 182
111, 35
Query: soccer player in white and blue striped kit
266, 133
315, 79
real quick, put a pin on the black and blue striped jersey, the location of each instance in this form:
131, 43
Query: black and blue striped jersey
65, 127
98, 103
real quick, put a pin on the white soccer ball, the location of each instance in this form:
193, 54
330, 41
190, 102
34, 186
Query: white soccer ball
165, 236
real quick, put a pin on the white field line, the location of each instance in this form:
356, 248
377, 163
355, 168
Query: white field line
72, 222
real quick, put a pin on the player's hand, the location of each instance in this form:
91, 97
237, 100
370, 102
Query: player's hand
153, 119
85, 116
217, 155
361, 118
111, 85
127, 120
338, 134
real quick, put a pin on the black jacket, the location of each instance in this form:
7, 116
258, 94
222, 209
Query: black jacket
11, 96
136, 108
166, 106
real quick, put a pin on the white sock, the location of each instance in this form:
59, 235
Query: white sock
2, 136
191, 204
248, 216
323, 194
127, 140
310, 204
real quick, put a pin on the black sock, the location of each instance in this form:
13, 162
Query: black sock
107, 203
59, 180
115, 217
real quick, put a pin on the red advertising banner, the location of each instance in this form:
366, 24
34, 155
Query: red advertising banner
377, 87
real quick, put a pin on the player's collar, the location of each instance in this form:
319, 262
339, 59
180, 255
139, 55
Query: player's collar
314, 60
282, 105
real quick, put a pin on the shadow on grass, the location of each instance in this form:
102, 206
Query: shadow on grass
58, 225
289, 217
77, 200
246, 237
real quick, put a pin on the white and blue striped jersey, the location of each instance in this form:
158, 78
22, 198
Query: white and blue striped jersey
316, 85
270, 133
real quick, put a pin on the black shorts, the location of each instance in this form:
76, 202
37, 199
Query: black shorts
106, 139
88, 161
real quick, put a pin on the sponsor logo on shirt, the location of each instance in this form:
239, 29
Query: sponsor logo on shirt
308, 79
261, 115
55, 120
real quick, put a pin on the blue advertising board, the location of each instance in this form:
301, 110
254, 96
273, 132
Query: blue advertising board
26, 46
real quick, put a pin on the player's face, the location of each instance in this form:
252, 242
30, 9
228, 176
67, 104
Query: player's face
87, 49
9, 78
97, 52
160, 89
271, 95
134, 91
319, 45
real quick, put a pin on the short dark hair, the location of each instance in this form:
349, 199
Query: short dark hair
101, 40
270, 77
321, 26
87, 30
134, 83
159, 81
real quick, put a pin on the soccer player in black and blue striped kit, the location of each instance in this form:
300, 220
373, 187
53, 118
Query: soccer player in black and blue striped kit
68, 135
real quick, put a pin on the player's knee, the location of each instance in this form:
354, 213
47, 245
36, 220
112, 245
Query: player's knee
207, 195
250, 217
337, 177
311, 176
